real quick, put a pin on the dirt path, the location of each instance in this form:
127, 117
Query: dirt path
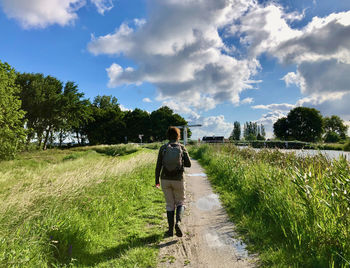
209, 239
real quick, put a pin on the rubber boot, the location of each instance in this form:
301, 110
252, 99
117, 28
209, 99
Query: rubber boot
179, 213
170, 216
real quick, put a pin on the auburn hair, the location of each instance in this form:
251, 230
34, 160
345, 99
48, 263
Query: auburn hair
173, 133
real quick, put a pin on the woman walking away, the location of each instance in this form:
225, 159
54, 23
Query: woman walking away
172, 158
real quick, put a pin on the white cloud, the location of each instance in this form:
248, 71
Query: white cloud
119, 76
320, 50
139, 22
188, 62
247, 101
321, 40
43, 13
269, 119
103, 5
276, 111
123, 108
115, 43
267, 29
292, 78
182, 109
146, 100
331, 104
264, 28
212, 126
191, 65
275, 107
321, 77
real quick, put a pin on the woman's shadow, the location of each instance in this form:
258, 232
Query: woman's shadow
83, 257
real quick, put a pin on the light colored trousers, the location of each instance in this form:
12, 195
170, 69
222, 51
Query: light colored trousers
174, 193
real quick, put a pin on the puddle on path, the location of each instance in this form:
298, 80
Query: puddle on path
240, 248
213, 240
208, 202
196, 175
216, 240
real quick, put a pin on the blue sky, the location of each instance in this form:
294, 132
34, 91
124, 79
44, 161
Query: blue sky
213, 62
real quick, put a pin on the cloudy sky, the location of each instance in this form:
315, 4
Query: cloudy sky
212, 61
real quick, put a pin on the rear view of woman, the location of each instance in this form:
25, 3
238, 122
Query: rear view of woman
171, 163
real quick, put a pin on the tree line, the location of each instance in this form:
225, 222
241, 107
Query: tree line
35, 107
301, 124
307, 124
251, 131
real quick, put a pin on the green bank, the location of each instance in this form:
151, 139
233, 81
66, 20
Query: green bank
83, 207
293, 212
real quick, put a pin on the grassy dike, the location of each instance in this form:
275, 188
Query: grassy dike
295, 212
83, 207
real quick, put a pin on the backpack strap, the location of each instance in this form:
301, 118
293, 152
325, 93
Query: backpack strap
164, 149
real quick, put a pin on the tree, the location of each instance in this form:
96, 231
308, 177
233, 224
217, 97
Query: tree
253, 131
248, 131
30, 97
161, 119
301, 123
52, 105
12, 133
261, 132
41, 99
281, 129
75, 112
107, 124
137, 122
334, 128
236, 132
305, 124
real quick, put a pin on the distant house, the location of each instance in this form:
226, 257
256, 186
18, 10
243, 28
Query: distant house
213, 139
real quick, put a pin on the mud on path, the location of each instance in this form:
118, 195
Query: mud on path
209, 239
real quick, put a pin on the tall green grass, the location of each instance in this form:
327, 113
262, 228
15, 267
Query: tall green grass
293, 211
82, 208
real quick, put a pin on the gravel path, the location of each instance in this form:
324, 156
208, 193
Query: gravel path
209, 240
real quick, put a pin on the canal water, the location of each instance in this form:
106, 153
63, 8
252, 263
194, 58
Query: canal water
328, 153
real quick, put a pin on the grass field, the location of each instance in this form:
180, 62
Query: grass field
82, 207
295, 212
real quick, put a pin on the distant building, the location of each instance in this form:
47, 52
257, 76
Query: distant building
213, 139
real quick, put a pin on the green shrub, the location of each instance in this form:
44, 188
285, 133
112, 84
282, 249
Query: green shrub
330, 146
332, 137
75, 155
347, 146
117, 150
152, 146
192, 142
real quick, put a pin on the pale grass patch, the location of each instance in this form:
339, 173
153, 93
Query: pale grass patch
66, 179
